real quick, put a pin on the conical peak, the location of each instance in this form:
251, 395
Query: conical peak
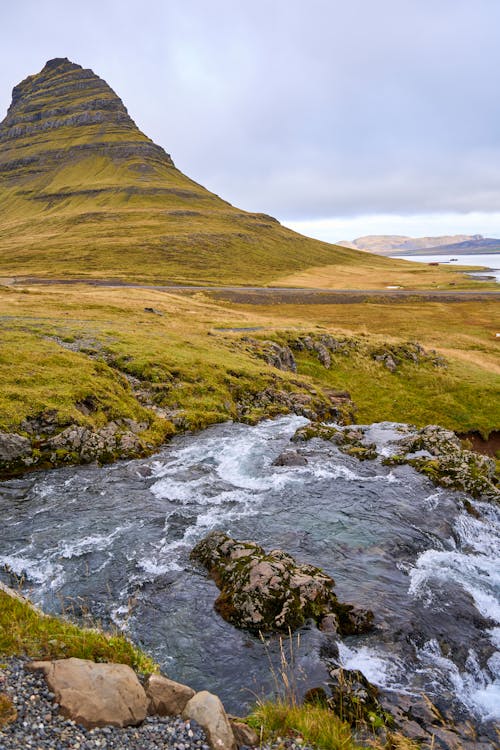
57, 66
60, 62
63, 108
54, 67
61, 84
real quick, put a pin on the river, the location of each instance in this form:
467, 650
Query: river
115, 541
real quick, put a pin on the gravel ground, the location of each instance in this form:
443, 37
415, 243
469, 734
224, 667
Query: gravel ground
40, 727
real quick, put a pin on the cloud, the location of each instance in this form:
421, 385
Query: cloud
302, 110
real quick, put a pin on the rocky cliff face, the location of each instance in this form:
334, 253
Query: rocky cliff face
62, 113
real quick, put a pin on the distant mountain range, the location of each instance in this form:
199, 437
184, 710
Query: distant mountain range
394, 244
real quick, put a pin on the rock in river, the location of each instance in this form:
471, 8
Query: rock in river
266, 592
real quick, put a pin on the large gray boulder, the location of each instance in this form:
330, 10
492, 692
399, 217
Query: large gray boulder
207, 709
290, 458
96, 695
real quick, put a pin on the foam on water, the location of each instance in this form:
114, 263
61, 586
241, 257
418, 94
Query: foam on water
376, 667
45, 573
475, 565
92, 543
474, 687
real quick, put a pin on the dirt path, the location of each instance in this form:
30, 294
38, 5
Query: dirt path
278, 295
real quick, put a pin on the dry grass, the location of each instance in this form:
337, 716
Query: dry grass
370, 275
8, 712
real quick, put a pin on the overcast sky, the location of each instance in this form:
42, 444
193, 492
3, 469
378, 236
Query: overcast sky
339, 118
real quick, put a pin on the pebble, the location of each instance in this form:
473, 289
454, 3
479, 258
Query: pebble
39, 726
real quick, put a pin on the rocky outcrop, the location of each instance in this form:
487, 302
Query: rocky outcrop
349, 440
284, 398
276, 355
438, 453
15, 450
393, 355
62, 97
394, 719
100, 445
280, 355
96, 695
417, 718
266, 592
207, 709
323, 345
57, 444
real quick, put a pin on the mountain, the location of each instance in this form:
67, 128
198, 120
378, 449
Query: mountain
474, 245
84, 193
394, 244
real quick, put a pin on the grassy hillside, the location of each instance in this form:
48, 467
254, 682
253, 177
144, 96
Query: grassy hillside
83, 192
184, 367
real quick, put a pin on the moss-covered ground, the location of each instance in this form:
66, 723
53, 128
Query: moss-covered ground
317, 726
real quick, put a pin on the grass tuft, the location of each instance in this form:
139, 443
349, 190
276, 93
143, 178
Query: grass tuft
25, 631
316, 725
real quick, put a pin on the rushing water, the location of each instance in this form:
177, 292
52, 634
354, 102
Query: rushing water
116, 541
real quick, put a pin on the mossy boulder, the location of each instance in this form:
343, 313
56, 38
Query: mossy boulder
268, 592
438, 454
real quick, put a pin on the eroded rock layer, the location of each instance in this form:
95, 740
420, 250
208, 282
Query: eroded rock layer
66, 112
